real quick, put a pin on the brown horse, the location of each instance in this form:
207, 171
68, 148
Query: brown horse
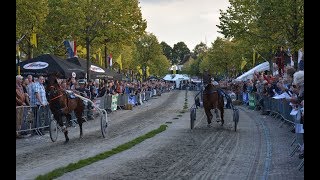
212, 100
62, 105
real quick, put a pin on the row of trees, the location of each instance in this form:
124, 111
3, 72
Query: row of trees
114, 26
249, 27
252, 32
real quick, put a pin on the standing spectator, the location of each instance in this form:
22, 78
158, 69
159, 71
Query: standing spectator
39, 92
280, 59
25, 83
38, 98
30, 84
301, 64
20, 101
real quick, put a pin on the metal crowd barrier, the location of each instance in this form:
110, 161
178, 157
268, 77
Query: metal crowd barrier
36, 119
281, 109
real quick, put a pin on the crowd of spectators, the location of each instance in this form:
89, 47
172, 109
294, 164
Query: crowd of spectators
286, 81
31, 91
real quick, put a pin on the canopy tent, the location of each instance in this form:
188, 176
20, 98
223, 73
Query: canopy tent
97, 72
259, 68
47, 63
177, 78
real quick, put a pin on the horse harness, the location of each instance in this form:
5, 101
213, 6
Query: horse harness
55, 90
206, 90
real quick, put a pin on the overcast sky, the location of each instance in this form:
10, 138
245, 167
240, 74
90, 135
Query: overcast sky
190, 21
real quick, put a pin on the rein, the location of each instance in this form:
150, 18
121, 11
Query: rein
56, 97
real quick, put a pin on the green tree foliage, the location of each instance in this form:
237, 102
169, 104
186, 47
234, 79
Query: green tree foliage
149, 53
179, 51
265, 24
98, 20
220, 58
200, 49
160, 67
167, 50
30, 18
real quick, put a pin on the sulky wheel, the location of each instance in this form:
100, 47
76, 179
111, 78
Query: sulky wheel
104, 124
192, 117
53, 130
235, 118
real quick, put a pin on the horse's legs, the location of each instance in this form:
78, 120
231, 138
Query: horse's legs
209, 115
217, 113
64, 128
79, 112
68, 116
80, 121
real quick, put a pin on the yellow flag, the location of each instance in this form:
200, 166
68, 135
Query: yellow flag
243, 63
139, 70
147, 71
118, 60
33, 39
81, 51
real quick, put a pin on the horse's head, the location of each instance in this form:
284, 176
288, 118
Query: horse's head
53, 88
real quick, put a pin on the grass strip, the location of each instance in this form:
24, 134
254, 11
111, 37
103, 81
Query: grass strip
84, 162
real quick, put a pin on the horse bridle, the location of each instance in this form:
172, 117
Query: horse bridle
55, 90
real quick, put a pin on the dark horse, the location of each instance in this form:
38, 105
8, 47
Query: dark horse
62, 105
212, 100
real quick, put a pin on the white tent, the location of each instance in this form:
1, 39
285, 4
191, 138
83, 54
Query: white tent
177, 78
259, 68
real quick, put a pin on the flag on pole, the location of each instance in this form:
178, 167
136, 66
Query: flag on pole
99, 57
33, 39
110, 59
147, 71
81, 50
139, 70
243, 63
75, 54
71, 48
118, 60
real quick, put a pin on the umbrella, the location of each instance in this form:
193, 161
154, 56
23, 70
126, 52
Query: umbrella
46, 64
96, 71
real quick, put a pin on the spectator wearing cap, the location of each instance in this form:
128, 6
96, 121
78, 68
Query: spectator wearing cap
83, 91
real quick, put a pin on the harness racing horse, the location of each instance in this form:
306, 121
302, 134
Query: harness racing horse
62, 105
212, 100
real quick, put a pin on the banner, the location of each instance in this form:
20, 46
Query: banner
114, 102
132, 100
243, 63
33, 39
118, 60
110, 60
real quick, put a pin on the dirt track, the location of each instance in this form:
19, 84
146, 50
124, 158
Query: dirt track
259, 149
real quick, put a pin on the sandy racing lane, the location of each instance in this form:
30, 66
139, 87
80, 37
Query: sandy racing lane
257, 150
